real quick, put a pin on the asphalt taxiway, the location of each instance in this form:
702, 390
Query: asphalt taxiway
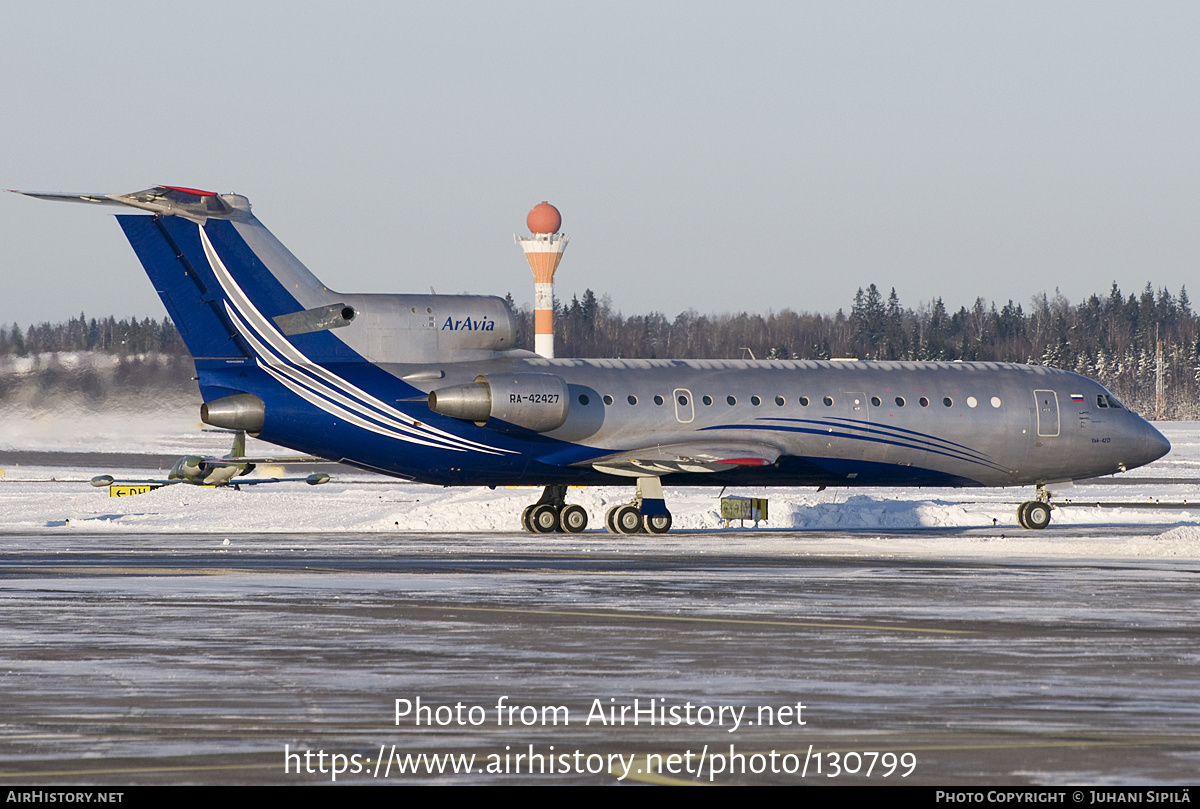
207, 658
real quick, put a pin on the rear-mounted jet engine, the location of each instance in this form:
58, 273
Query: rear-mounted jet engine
537, 402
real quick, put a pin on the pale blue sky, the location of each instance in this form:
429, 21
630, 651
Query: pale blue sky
778, 156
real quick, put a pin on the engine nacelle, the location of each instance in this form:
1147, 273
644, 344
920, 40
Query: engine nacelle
244, 411
536, 402
422, 329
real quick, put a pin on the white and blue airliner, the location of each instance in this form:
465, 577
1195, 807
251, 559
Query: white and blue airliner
432, 388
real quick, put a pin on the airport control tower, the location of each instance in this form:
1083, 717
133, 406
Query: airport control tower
543, 250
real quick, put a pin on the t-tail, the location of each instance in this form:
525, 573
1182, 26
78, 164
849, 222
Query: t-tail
236, 294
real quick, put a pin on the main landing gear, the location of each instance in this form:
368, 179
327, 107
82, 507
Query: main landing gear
551, 513
1035, 513
648, 511
629, 519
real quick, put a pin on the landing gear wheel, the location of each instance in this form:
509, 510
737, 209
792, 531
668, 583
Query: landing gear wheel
543, 519
1037, 515
573, 519
1022, 510
525, 519
626, 519
656, 524
609, 525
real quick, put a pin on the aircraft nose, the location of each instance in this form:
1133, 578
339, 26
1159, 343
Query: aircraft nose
1146, 444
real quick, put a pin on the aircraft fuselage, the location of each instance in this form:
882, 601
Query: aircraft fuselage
831, 423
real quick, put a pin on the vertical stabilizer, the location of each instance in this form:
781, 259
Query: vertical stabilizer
236, 294
239, 445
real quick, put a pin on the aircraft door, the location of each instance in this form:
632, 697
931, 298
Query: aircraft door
856, 408
685, 409
857, 404
1046, 402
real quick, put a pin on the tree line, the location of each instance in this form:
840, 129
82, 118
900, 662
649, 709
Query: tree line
106, 335
123, 358
1112, 338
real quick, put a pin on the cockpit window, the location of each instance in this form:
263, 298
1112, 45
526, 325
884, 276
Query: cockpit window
1112, 401
1101, 401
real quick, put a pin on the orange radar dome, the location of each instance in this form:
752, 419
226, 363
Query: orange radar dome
544, 218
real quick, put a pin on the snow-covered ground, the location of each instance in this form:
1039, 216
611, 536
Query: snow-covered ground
956, 522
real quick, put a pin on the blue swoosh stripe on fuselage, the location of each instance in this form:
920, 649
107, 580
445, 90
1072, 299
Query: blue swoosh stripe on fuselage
881, 425
291, 367
829, 432
335, 395
873, 427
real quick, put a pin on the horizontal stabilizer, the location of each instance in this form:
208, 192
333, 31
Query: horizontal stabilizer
190, 203
58, 196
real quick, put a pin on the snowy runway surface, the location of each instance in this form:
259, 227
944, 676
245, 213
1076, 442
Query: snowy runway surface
196, 636
149, 658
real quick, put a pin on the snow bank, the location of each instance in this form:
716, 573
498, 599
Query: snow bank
919, 521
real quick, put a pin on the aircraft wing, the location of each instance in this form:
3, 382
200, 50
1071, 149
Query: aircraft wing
315, 479
688, 456
240, 459
108, 480
312, 480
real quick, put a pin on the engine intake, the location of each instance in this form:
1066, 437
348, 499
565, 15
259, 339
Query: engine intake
536, 402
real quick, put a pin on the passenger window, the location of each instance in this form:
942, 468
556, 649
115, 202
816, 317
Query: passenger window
828, 400
876, 401
804, 401
658, 400
996, 401
632, 399
899, 401
924, 402
683, 400
972, 401
707, 400
948, 402
583, 399
731, 400
607, 399
754, 400
779, 400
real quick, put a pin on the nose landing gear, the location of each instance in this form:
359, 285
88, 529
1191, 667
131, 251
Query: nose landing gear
1035, 514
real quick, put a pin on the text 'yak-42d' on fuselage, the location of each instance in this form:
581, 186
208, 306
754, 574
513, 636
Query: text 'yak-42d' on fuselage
432, 388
